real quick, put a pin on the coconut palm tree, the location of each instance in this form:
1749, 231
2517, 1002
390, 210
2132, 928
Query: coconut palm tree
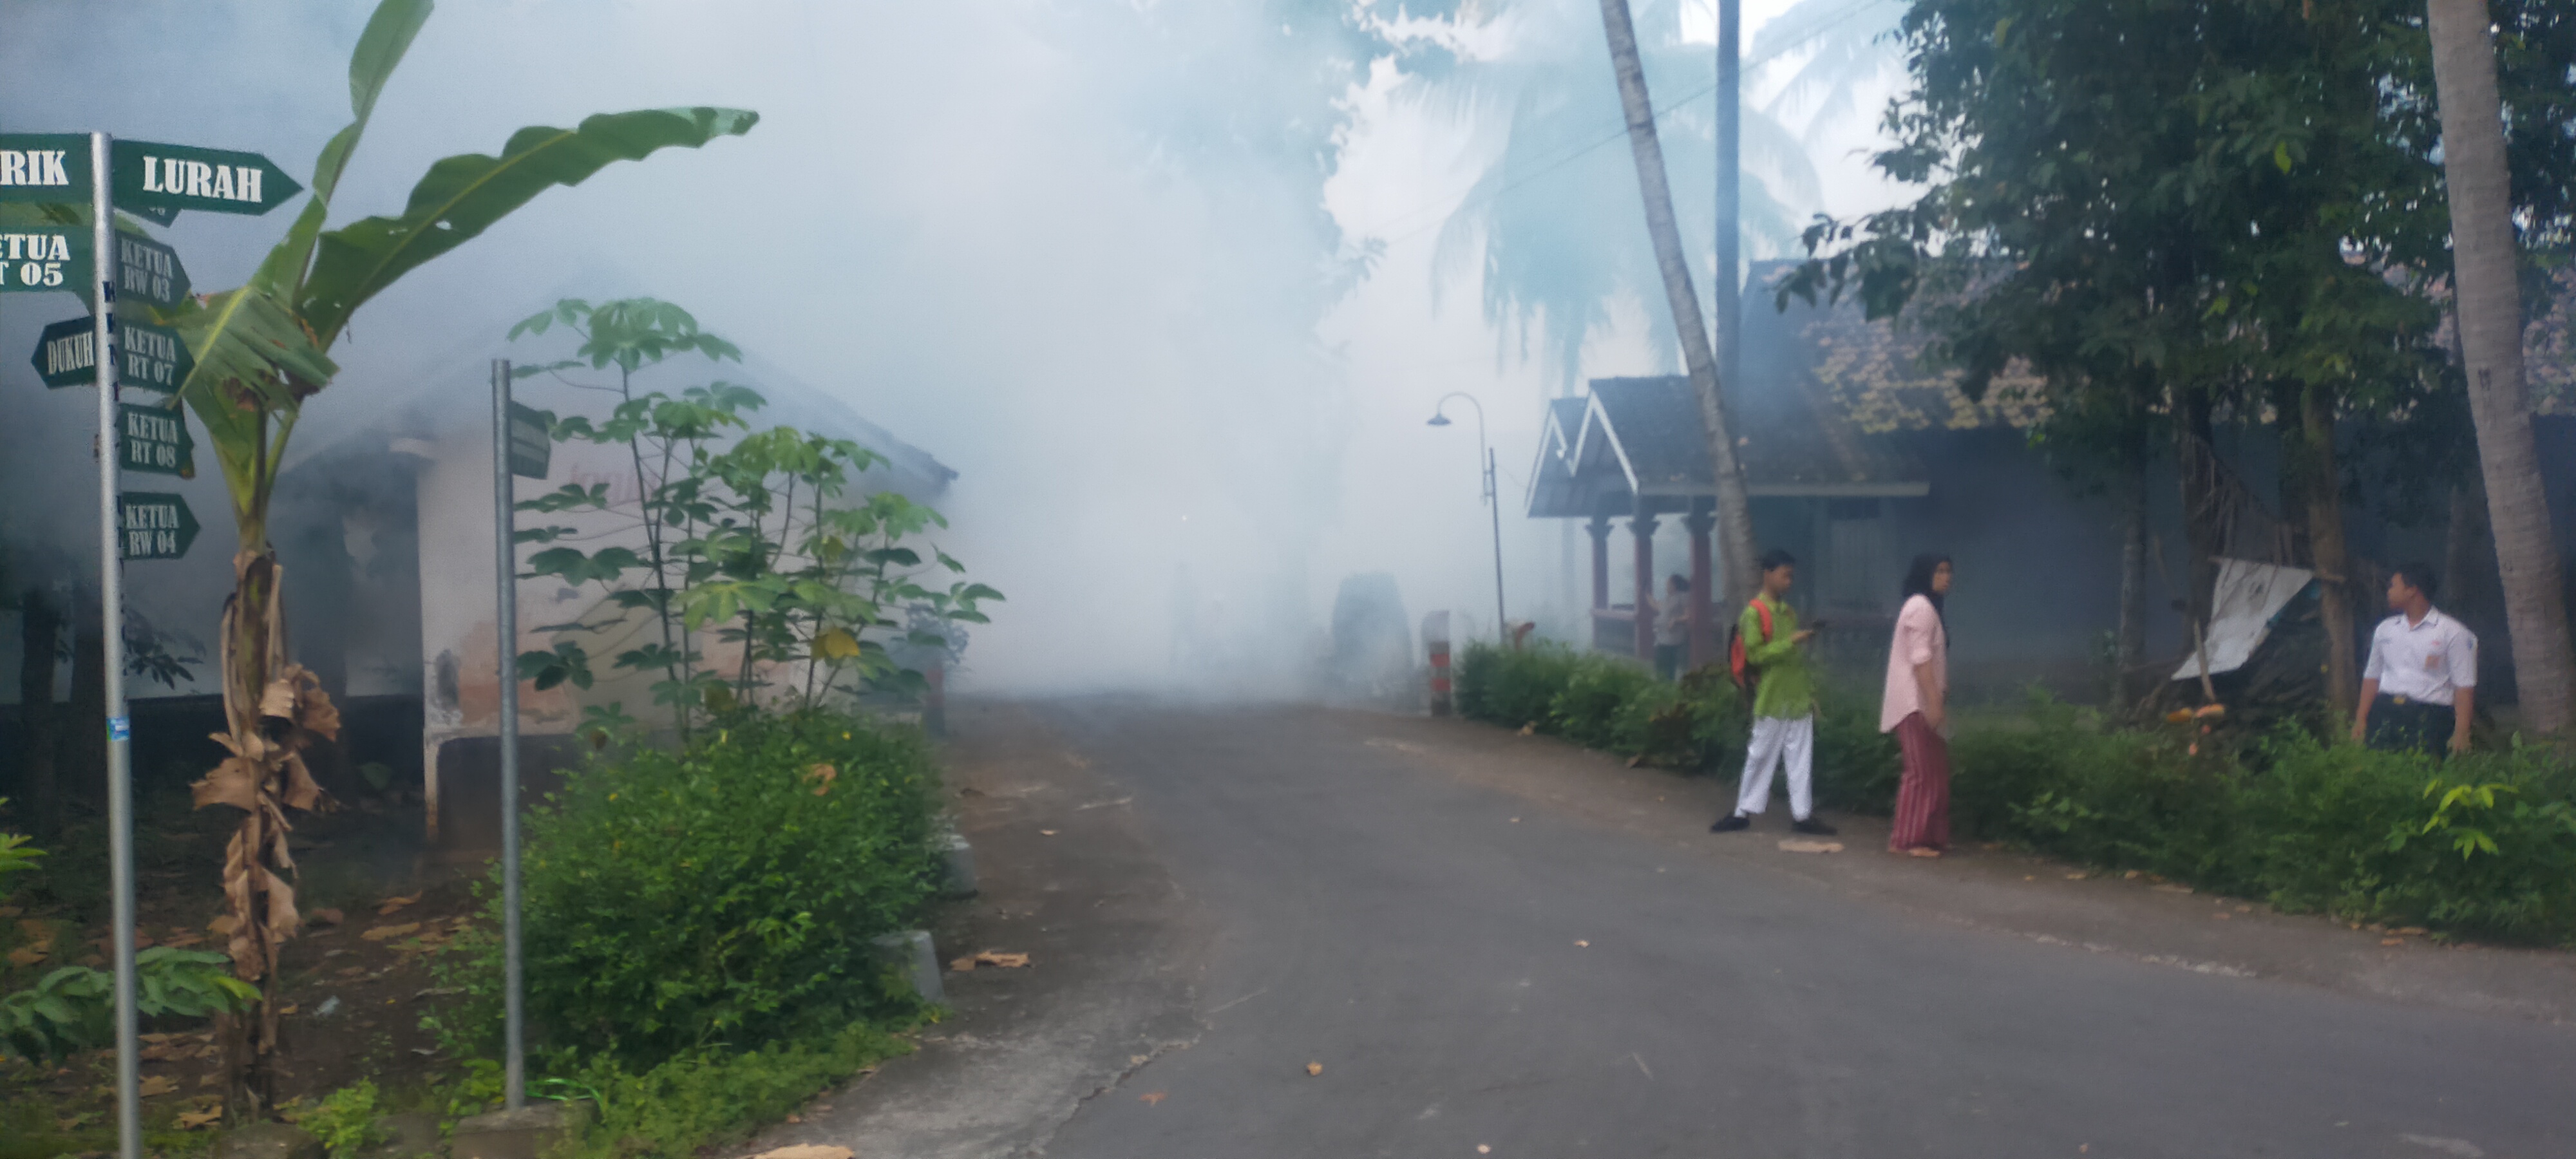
2489, 306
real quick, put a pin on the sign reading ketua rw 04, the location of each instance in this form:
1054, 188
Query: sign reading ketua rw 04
147, 356
187, 177
154, 525
40, 258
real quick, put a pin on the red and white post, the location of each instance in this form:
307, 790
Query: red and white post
1435, 640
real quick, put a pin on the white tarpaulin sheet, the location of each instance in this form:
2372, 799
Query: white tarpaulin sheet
2249, 594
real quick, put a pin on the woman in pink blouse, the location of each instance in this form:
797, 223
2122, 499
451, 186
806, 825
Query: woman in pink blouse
1917, 710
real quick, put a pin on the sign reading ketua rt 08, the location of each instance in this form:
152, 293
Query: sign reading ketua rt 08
154, 440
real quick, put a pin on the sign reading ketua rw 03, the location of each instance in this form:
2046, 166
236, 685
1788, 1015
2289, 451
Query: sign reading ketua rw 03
149, 271
40, 258
44, 167
147, 356
187, 177
154, 525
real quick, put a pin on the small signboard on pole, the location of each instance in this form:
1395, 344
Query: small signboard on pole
148, 271
149, 356
155, 440
41, 258
174, 177
532, 443
44, 167
154, 525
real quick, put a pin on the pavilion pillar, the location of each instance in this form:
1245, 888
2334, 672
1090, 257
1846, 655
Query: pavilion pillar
1703, 625
1642, 525
1600, 529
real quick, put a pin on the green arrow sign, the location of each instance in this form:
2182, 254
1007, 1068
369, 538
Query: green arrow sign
44, 166
155, 440
42, 258
532, 445
187, 177
149, 271
148, 356
156, 525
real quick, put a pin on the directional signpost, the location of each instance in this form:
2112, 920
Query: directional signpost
154, 182
154, 440
175, 177
151, 356
155, 525
148, 271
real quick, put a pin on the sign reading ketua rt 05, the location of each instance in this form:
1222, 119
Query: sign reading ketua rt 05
44, 259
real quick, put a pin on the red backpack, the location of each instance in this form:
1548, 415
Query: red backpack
1746, 676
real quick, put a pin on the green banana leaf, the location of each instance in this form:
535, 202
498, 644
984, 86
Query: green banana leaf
387, 37
462, 196
253, 359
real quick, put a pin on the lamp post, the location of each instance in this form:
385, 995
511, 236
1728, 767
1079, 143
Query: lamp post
1493, 498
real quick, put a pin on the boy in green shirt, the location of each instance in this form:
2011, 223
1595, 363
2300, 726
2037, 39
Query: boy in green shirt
1784, 703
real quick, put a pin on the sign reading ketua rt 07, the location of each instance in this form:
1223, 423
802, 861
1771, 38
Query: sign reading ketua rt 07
154, 525
147, 356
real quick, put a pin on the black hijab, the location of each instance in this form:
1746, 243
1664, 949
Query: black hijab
1918, 581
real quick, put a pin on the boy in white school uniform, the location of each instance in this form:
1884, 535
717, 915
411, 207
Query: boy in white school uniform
2419, 689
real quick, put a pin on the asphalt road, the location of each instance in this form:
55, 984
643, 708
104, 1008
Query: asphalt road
1471, 971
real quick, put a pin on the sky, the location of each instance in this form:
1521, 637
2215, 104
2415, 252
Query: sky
948, 218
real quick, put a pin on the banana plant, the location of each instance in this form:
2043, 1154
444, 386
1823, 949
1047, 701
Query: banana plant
263, 350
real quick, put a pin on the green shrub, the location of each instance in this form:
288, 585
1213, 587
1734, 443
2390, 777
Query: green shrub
1857, 766
1586, 707
345, 1119
1513, 687
722, 893
73, 1008
682, 1104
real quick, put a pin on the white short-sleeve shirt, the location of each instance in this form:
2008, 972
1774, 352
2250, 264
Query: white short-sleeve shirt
2427, 660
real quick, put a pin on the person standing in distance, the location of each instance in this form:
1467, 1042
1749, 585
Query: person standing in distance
1672, 628
1917, 709
2418, 690
1784, 703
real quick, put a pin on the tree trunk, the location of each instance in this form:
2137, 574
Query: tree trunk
2127, 682
1734, 511
40, 627
2469, 588
83, 728
1730, 184
2488, 301
2200, 514
2324, 495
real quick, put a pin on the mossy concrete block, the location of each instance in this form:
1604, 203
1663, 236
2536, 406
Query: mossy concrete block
405, 1136
957, 867
530, 1132
268, 1141
911, 952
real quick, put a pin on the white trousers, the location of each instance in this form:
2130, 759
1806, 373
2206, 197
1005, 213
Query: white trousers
1777, 741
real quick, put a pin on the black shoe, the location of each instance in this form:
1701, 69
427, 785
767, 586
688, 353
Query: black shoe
1814, 826
1730, 823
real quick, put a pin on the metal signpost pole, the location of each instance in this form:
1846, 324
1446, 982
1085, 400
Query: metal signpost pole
1494, 498
506, 555
111, 601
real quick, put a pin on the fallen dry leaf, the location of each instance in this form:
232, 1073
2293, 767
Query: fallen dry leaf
2077, 876
807, 1151
325, 917
394, 903
380, 933
221, 926
1150, 1098
181, 941
26, 956
1314, 1068
161, 1051
1796, 845
2411, 931
191, 1120
10, 911
2392, 941
1529, 728
795, 1118
1582, 943
2171, 888
159, 1085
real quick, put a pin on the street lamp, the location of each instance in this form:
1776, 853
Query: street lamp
1493, 498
